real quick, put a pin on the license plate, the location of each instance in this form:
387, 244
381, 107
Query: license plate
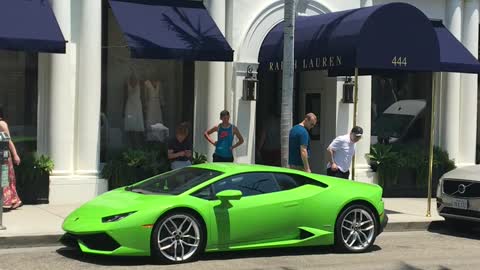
460, 203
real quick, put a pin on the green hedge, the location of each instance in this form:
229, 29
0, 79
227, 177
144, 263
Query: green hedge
133, 165
390, 161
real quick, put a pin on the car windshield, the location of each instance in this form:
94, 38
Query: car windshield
391, 125
175, 182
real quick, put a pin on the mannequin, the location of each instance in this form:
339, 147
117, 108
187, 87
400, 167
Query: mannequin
154, 102
156, 130
133, 118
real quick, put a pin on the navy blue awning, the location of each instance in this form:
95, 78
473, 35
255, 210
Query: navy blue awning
29, 25
381, 39
454, 57
394, 36
170, 29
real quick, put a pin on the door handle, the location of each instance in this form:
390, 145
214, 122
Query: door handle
290, 204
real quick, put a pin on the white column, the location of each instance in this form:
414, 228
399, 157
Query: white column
364, 121
89, 88
451, 126
62, 97
344, 111
210, 86
245, 115
469, 90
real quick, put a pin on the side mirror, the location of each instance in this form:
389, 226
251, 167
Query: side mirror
229, 194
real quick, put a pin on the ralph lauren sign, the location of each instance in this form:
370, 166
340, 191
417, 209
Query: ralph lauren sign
310, 63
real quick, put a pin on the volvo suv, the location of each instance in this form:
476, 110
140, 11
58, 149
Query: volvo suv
458, 195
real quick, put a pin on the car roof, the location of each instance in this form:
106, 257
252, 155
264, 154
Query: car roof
241, 168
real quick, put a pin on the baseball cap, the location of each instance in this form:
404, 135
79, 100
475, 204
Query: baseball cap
357, 131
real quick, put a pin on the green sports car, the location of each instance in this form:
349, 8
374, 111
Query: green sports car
211, 207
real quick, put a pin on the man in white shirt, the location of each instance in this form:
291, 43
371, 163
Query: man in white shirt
341, 152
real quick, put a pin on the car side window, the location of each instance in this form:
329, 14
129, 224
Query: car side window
286, 181
204, 193
290, 181
249, 184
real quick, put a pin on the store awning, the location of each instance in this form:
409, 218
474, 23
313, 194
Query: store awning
394, 36
29, 25
454, 57
170, 29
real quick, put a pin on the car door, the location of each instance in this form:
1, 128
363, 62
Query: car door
263, 214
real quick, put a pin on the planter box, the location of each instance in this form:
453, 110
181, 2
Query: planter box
33, 186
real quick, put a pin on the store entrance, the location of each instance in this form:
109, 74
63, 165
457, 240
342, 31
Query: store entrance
312, 92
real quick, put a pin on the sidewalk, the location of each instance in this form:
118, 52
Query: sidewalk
410, 214
39, 225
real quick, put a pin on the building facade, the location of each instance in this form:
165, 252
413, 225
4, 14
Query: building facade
78, 104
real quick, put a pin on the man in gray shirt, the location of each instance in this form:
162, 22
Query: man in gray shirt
341, 152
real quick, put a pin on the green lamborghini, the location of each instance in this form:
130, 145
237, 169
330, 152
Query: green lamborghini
212, 207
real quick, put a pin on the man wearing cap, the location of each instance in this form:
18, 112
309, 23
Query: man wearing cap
341, 152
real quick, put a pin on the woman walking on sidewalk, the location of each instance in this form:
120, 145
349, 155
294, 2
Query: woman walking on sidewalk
10, 196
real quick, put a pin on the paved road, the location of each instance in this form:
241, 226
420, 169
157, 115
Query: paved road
436, 249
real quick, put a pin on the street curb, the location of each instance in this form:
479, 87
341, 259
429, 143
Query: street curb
412, 226
29, 241
53, 239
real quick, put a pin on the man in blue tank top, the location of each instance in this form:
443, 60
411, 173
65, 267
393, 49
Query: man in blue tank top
224, 144
299, 143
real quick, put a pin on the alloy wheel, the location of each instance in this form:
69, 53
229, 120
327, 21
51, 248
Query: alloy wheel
358, 229
178, 238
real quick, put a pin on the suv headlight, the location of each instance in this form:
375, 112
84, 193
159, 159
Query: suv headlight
439, 188
116, 217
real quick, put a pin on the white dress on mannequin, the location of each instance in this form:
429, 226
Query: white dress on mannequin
154, 109
133, 110
157, 131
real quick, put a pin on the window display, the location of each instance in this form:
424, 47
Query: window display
18, 97
143, 100
399, 108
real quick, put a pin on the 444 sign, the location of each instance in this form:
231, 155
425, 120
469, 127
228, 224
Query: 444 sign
399, 61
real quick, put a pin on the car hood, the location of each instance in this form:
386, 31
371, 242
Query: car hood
120, 201
465, 173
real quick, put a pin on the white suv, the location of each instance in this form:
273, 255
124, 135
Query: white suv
458, 195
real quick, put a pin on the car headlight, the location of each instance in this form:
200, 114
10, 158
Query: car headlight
116, 217
439, 188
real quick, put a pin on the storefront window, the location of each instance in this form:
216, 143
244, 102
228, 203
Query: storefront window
400, 138
18, 97
399, 108
143, 100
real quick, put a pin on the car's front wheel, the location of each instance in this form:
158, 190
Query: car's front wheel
356, 229
178, 237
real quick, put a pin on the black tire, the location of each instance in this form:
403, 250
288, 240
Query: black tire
340, 231
163, 229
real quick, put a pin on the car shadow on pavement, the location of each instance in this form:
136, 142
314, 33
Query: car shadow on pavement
441, 227
406, 266
275, 252
75, 254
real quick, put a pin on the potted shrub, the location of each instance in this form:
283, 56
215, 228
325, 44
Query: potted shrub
199, 158
33, 178
385, 162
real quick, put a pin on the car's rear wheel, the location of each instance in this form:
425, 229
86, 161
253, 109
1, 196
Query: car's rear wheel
178, 237
356, 229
